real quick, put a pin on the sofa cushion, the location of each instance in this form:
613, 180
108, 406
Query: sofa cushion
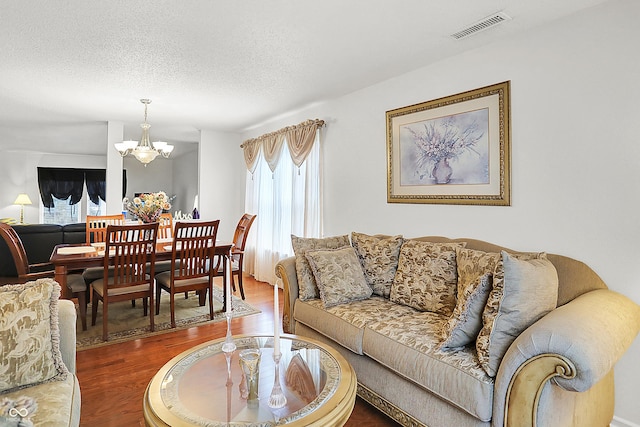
58, 402
525, 288
475, 278
378, 256
426, 276
30, 338
306, 282
409, 345
338, 275
345, 323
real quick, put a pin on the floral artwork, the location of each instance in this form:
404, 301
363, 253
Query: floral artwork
148, 207
446, 150
452, 150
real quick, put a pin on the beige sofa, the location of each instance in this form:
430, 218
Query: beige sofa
558, 372
58, 401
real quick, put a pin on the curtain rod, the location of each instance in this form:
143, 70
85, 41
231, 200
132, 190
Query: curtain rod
306, 123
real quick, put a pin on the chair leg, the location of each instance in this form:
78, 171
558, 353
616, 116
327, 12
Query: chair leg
240, 283
173, 310
211, 301
152, 319
82, 306
94, 309
145, 307
105, 318
158, 295
186, 295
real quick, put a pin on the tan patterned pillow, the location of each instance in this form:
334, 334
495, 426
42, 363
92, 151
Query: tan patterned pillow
29, 335
306, 282
525, 288
339, 276
475, 278
378, 256
426, 276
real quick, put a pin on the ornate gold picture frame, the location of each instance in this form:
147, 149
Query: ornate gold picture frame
452, 150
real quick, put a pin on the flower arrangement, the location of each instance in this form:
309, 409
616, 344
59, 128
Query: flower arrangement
148, 207
444, 139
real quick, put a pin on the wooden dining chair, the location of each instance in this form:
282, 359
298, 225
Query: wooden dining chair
96, 226
129, 249
96, 232
191, 260
237, 252
27, 272
165, 229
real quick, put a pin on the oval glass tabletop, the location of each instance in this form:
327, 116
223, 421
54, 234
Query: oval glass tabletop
206, 387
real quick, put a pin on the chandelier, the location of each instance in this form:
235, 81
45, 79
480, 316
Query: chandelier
144, 151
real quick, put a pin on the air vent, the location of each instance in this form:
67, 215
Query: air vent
484, 24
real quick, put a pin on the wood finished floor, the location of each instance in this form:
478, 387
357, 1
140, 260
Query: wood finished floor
113, 378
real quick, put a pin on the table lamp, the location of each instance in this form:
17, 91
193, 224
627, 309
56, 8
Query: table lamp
22, 199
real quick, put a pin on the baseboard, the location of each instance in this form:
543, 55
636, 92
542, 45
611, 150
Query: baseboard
619, 422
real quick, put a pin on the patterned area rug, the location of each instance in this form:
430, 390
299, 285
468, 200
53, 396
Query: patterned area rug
128, 323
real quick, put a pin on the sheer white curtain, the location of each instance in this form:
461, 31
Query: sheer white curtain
287, 201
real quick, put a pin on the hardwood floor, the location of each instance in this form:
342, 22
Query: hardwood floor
113, 378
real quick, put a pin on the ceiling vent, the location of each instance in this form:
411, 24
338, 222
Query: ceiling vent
484, 24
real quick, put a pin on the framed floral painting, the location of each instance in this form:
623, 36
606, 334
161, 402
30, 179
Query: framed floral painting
452, 150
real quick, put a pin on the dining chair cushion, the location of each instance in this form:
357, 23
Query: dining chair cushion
164, 279
76, 283
30, 337
162, 266
98, 286
93, 273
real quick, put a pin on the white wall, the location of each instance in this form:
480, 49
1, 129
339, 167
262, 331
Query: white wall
19, 174
185, 181
575, 144
156, 176
222, 180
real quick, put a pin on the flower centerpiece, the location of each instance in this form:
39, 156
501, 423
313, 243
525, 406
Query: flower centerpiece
149, 206
442, 140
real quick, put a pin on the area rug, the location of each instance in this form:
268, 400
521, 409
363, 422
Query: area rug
128, 323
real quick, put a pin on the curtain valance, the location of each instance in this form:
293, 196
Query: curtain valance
96, 184
63, 183
299, 141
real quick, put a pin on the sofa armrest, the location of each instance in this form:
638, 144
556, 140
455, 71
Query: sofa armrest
286, 271
575, 345
67, 325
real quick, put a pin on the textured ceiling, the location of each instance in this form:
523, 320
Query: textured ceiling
68, 67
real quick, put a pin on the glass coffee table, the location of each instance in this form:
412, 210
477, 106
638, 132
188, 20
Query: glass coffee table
204, 387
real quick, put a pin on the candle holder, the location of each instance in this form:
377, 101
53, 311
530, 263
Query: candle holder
277, 398
229, 345
228, 384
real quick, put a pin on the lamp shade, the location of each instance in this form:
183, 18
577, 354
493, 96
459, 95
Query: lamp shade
22, 199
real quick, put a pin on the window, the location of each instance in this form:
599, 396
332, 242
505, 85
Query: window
61, 212
286, 201
64, 198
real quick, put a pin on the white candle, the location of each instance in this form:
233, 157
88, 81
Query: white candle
228, 280
276, 321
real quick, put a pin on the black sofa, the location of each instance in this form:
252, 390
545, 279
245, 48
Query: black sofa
39, 241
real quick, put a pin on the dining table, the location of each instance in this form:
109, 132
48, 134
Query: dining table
71, 257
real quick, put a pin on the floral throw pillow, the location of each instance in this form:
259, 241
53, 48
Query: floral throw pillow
339, 276
426, 277
306, 282
475, 279
29, 335
525, 288
378, 256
